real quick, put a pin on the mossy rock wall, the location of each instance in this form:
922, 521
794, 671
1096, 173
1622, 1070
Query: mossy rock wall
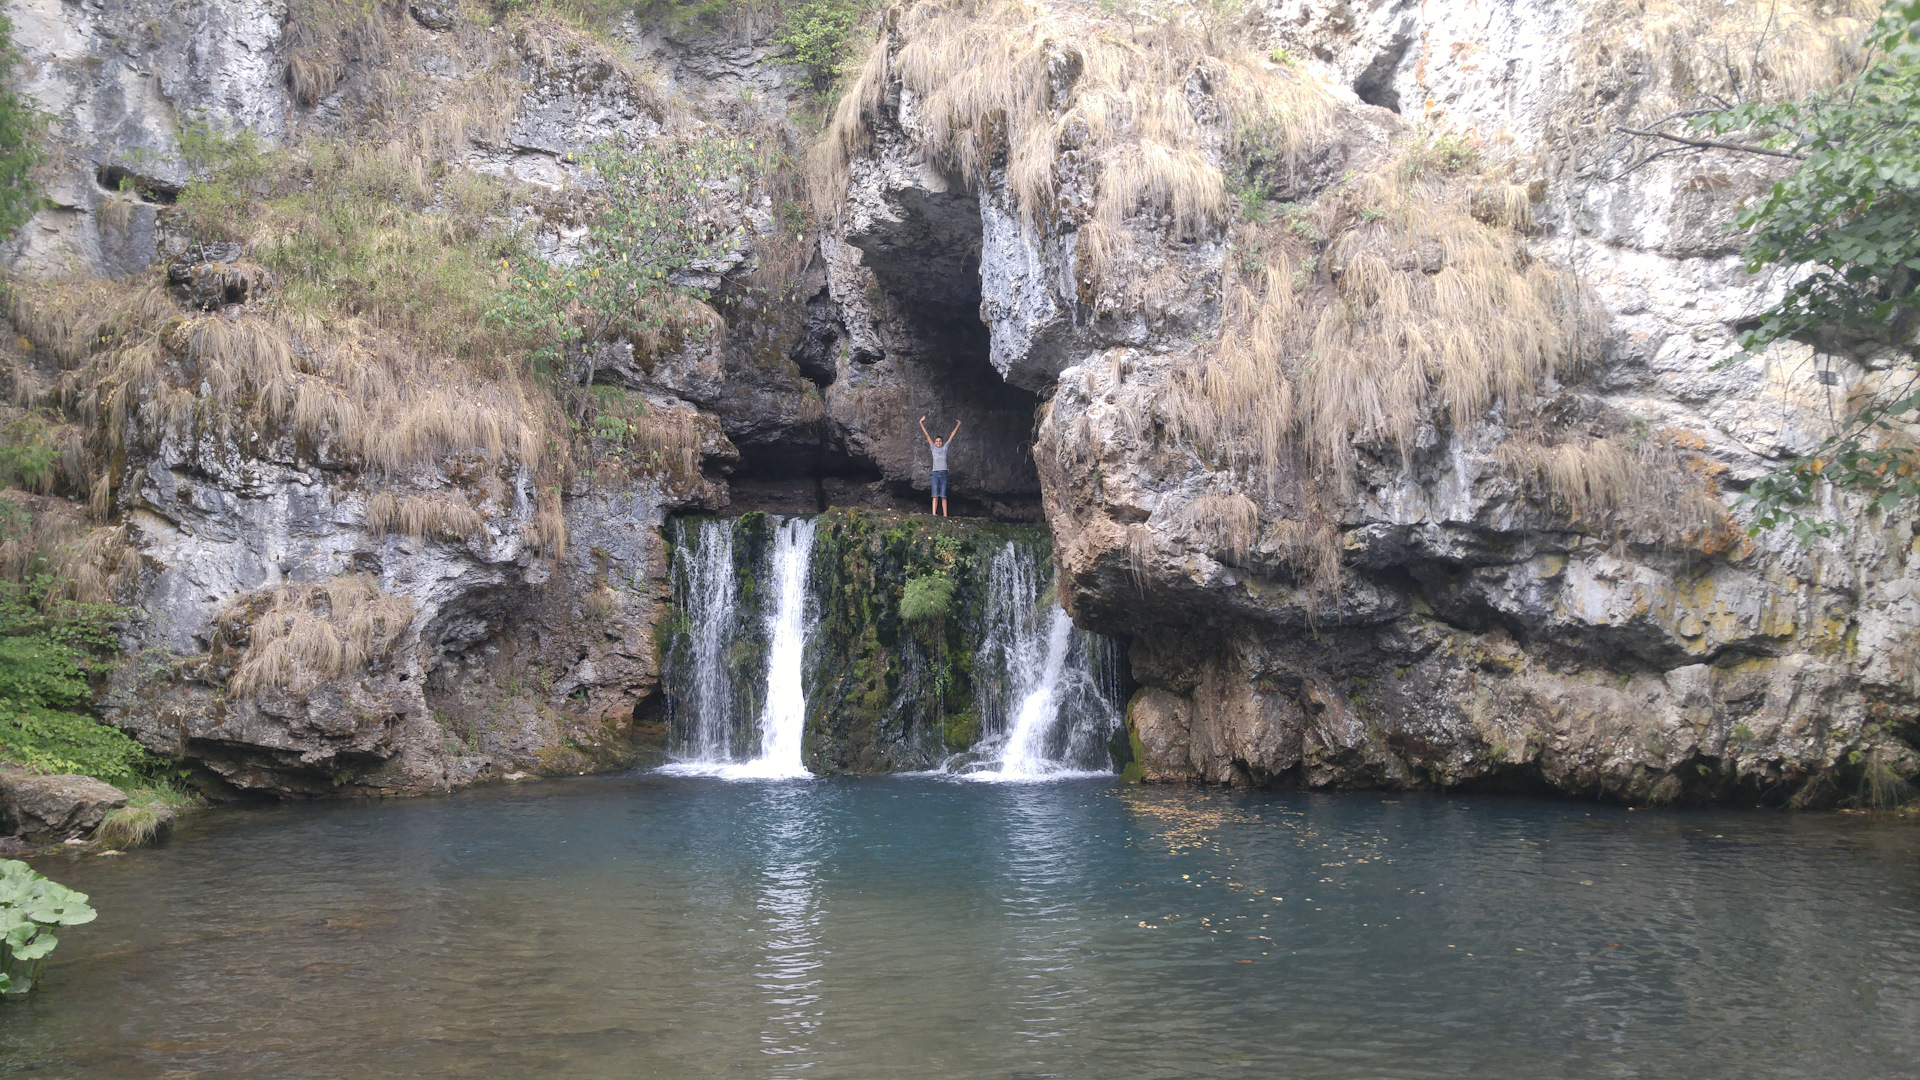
885, 694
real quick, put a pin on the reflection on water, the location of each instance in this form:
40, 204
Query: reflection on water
917, 926
787, 970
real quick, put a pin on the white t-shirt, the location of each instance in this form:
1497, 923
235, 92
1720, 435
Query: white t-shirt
939, 458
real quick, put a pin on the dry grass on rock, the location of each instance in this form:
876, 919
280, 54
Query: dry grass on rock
301, 635
1149, 108
443, 515
1385, 309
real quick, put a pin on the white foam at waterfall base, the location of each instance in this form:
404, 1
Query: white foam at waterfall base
1055, 716
783, 717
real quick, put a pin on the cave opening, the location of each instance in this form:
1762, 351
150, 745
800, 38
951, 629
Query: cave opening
913, 343
925, 255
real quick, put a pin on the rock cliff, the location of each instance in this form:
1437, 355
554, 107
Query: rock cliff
1374, 383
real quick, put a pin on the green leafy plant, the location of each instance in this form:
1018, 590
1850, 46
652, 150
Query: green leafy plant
652, 241
1253, 166
1445, 153
48, 646
926, 598
31, 905
40, 683
224, 167
818, 33
1850, 215
28, 456
20, 127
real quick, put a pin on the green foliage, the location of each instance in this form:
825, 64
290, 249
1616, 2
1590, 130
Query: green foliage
20, 127
224, 167
31, 905
962, 729
1850, 214
616, 414
48, 646
1258, 159
28, 456
926, 598
1445, 153
40, 682
651, 230
818, 33
345, 233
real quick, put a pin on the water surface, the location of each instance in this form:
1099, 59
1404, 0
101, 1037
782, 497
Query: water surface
654, 926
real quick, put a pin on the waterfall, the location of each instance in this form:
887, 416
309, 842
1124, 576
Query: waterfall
704, 592
704, 703
783, 719
1049, 695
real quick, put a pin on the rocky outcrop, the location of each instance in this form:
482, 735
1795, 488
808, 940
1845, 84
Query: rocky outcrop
1447, 620
42, 809
1400, 603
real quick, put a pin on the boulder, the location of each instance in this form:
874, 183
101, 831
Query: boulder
45, 809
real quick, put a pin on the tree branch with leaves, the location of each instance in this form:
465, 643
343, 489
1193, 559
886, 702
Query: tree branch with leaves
1847, 219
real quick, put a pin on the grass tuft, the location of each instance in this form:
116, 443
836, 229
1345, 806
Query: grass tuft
1151, 107
926, 598
132, 826
307, 634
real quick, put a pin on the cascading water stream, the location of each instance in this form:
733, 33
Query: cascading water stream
707, 594
1051, 708
783, 719
705, 591
1026, 752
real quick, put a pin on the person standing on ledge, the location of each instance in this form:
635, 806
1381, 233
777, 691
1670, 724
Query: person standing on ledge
939, 449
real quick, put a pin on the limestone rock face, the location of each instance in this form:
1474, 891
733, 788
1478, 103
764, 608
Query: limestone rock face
1443, 621
499, 648
121, 81
1477, 634
511, 658
48, 809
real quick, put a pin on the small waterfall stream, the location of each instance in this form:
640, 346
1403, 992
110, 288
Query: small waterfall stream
704, 704
743, 670
783, 718
1051, 701
704, 589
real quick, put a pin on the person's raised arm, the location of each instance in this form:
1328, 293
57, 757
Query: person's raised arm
955, 431
923, 430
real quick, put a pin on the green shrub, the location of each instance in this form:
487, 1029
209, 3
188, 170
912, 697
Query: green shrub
962, 729
926, 598
817, 32
650, 228
30, 906
56, 741
1444, 153
29, 458
40, 681
48, 644
223, 168
20, 126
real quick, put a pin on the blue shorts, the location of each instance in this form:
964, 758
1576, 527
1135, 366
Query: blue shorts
940, 484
